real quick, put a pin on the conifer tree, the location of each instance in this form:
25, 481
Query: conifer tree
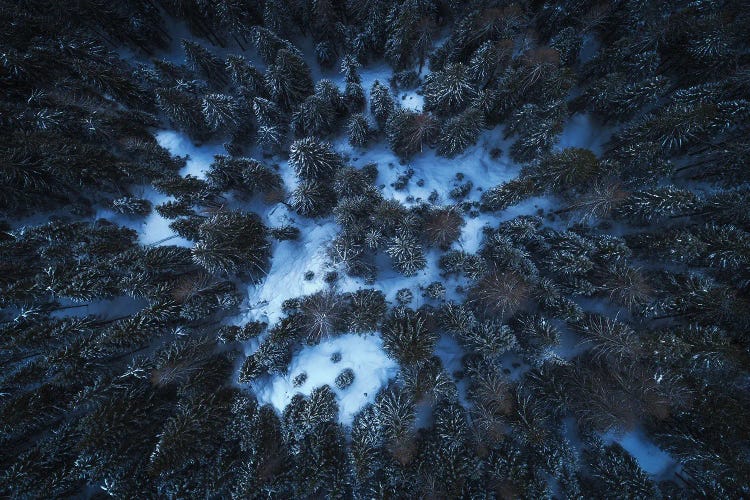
382, 105
288, 79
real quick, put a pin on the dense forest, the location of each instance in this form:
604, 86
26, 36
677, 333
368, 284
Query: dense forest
375, 249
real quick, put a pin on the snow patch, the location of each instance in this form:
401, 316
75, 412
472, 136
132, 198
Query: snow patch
363, 354
650, 457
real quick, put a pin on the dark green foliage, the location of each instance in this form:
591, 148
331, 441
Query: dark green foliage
407, 338
382, 105
313, 159
131, 206
321, 315
313, 199
366, 310
202, 61
449, 90
409, 132
289, 79
345, 378
612, 467
460, 132
406, 253
232, 242
358, 130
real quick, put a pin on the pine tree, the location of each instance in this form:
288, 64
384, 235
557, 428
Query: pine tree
406, 253
313, 159
232, 242
407, 338
460, 132
358, 130
220, 111
313, 198
382, 105
289, 79
409, 132
449, 90
209, 66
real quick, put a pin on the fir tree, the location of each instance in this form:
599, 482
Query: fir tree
449, 90
289, 79
409, 132
382, 105
313, 159
460, 132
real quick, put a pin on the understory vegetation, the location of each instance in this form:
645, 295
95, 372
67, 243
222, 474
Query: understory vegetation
586, 290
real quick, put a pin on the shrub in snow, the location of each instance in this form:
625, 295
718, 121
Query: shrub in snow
345, 378
331, 277
404, 296
299, 380
435, 290
285, 233
336, 357
313, 159
461, 190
